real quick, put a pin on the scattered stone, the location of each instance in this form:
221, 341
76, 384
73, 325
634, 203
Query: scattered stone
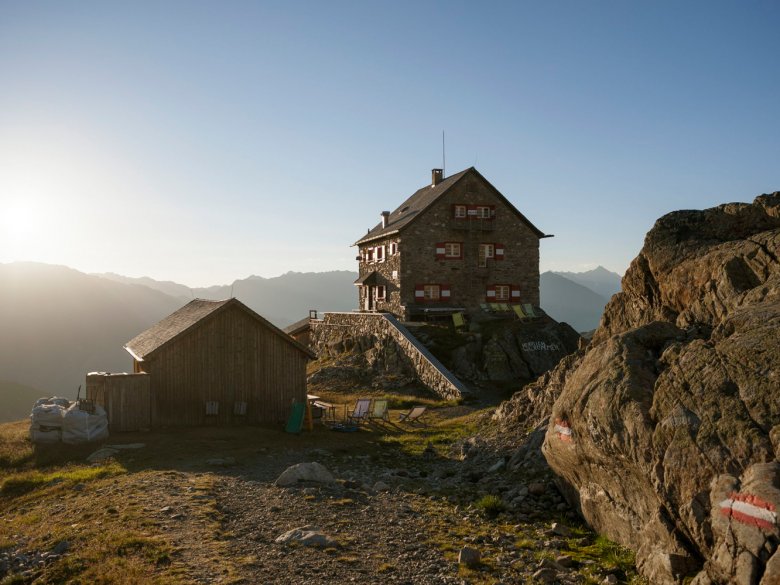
497, 466
565, 561
102, 454
307, 536
537, 489
314, 472
560, 530
610, 580
469, 556
381, 486
545, 575
61, 547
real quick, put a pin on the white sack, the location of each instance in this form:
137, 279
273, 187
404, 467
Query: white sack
45, 434
79, 426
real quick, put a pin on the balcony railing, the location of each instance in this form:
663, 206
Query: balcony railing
476, 224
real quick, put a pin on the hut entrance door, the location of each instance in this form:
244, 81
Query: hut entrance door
369, 299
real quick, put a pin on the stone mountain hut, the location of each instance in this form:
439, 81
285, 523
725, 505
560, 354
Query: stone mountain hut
219, 362
454, 244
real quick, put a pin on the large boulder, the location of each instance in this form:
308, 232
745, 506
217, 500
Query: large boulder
665, 432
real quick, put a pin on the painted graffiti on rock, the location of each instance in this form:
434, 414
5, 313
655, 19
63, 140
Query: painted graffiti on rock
749, 509
563, 430
539, 346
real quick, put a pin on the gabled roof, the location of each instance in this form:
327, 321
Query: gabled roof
189, 317
298, 326
426, 196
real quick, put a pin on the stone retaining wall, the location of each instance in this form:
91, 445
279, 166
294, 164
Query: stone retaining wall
339, 332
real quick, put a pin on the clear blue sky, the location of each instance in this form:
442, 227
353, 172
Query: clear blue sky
206, 141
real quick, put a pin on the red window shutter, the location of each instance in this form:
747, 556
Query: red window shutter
445, 292
440, 251
499, 251
490, 294
419, 293
471, 211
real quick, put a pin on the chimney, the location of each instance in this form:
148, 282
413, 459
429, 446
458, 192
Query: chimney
436, 176
385, 218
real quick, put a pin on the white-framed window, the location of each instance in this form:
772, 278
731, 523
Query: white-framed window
502, 292
487, 250
431, 292
460, 211
380, 253
393, 248
483, 212
381, 291
452, 250
369, 254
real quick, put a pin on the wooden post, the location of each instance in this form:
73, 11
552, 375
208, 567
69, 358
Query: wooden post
309, 421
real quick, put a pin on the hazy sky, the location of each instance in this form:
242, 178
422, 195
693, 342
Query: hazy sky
206, 141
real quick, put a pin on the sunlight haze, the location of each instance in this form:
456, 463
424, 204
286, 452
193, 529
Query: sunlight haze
204, 142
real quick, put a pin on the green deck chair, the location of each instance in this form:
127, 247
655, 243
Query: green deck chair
459, 320
529, 310
379, 410
519, 312
295, 422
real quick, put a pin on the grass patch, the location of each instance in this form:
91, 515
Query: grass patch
440, 434
26, 482
490, 505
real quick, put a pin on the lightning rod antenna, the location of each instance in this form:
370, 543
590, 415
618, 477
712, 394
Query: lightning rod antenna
443, 165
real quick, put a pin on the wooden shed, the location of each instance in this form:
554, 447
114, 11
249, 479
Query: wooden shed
219, 362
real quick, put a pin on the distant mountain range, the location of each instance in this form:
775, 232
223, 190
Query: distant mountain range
578, 298
57, 324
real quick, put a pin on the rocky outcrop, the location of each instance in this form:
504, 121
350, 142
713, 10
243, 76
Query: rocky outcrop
665, 432
373, 348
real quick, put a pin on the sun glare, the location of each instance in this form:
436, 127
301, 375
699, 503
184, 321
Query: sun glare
17, 220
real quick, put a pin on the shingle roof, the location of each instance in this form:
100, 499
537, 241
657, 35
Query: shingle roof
423, 198
186, 318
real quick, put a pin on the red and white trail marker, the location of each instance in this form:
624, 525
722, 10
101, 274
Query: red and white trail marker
563, 430
750, 509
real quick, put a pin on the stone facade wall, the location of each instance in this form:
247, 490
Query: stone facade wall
388, 275
416, 262
341, 331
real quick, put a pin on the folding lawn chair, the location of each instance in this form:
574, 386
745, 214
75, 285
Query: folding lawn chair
459, 320
414, 415
529, 310
519, 312
360, 412
379, 410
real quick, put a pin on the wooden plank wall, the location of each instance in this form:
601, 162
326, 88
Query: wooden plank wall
229, 358
126, 398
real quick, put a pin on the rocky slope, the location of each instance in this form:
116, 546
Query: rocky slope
492, 350
665, 432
